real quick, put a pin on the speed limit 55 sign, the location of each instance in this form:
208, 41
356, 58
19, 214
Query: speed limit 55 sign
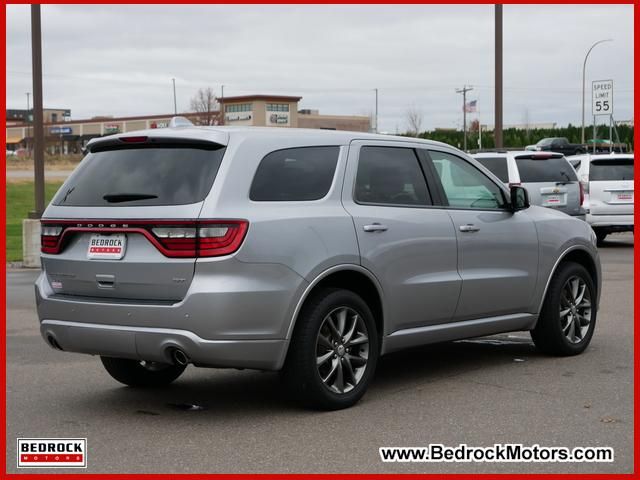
602, 97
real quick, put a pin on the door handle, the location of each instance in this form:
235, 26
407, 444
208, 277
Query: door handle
375, 227
469, 228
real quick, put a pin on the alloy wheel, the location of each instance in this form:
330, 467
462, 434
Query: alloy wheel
575, 309
342, 349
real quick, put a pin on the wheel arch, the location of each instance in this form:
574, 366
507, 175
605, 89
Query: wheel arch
350, 277
581, 256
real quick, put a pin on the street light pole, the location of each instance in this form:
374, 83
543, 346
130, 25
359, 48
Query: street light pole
222, 119
584, 66
175, 102
376, 90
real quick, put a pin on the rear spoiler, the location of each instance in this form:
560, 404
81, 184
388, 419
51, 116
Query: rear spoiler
539, 156
143, 141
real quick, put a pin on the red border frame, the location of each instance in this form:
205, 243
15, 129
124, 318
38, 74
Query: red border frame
4, 460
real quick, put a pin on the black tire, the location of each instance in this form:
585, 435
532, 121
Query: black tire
136, 374
600, 235
302, 376
548, 334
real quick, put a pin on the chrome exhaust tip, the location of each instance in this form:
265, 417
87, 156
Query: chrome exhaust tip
179, 357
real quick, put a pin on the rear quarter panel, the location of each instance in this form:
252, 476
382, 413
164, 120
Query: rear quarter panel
558, 234
307, 237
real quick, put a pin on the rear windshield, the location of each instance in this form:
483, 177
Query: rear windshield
555, 169
163, 175
497, 166
618, 169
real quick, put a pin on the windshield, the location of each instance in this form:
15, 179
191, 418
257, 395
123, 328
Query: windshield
606, 170
160, 175
545, 141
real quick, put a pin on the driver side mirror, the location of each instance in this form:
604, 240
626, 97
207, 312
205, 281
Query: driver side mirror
519, 198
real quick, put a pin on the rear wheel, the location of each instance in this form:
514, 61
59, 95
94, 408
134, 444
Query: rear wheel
334, 351
568, 316
139, 373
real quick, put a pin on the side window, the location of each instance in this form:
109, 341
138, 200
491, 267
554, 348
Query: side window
390, 176
464, 185
295, 174
497, 166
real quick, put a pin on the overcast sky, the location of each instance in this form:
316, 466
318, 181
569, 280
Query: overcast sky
119, 60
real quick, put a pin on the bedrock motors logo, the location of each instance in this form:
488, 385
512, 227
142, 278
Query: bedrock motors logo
52, 452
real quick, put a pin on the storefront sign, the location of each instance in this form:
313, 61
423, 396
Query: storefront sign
60, 130
108, 129
238, 117
278, 118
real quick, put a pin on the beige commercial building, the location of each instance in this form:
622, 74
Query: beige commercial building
69, 136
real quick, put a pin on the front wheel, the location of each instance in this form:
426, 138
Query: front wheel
568, 316
334, 351
136, 373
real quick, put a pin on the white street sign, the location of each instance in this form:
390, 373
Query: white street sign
602, 97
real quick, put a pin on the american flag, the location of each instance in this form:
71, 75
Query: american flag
471, 106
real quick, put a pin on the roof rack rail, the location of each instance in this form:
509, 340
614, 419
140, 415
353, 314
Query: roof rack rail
497, 150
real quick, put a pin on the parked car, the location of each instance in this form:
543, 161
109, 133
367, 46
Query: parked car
307, 251
558, 144
11, 153
608, 184
548, 177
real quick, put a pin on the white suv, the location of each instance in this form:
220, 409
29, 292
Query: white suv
607, 181
547, 176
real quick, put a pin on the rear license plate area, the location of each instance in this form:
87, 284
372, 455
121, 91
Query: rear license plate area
554, 200
107, 247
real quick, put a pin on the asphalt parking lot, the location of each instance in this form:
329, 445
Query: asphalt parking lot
480, 392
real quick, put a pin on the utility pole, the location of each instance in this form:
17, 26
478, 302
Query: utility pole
497, 131
222, 105
464, 91
376, 115
26, 120
38, 126
175, 102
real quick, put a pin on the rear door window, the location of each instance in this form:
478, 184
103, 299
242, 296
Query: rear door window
390, 176
542, 170
607, 170
497, 166
295, 174
143, 176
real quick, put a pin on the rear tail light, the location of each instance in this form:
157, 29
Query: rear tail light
584, 181
581, 193
177, 239
50, 238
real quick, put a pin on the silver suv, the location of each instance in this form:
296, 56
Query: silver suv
306, 251
548, 177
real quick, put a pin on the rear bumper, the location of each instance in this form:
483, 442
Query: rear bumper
156, 344
231, 317
610, 220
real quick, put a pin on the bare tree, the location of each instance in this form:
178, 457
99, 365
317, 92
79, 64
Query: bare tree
414, 120
205, 104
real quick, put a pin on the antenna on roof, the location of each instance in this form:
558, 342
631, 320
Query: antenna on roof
180, 122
